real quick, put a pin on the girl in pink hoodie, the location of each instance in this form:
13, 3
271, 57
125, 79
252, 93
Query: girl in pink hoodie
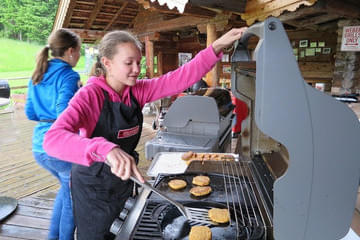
107, 113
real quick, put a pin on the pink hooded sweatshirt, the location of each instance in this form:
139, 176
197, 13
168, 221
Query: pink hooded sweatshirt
63, 140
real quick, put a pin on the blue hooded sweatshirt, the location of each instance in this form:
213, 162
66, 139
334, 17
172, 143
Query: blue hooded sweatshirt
46, 100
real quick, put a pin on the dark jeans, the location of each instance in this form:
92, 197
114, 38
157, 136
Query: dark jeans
62, 221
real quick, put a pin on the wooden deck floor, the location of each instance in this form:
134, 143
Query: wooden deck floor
22, 178
35, 188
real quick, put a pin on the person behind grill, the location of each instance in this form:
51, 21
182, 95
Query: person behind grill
51, 86
107, 112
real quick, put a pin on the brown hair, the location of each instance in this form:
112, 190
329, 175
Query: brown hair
107, 48
58, 42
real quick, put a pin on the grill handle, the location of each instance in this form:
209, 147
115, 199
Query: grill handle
151, 188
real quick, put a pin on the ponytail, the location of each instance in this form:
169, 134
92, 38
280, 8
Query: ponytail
98, 69
59, 41
41, 65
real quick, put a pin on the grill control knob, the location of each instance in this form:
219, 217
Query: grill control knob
116, 226
124, 214
129, 203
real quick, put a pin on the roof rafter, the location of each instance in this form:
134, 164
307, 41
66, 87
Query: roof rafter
116, 16
94, 13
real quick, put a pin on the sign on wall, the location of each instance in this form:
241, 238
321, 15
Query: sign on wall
350, 39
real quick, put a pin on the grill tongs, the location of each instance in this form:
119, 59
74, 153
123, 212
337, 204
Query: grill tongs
199, 215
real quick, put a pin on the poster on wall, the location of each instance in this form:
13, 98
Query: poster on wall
184, 58
351, 39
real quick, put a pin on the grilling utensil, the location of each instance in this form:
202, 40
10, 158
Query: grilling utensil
199, 215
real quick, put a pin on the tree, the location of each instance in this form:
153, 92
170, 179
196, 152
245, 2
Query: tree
27, 19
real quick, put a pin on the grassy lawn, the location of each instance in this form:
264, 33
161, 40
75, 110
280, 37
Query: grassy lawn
17, 59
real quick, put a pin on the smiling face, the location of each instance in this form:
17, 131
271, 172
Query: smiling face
124, 67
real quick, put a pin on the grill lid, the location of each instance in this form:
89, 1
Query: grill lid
315, 197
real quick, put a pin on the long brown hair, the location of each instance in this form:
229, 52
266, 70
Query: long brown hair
107, 48
58, 42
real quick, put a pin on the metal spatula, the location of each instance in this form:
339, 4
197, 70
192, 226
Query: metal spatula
199, 215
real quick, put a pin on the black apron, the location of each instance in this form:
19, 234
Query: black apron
98, 195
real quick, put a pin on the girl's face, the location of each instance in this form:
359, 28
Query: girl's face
124, 68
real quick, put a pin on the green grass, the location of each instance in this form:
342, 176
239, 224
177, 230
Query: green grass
17, 59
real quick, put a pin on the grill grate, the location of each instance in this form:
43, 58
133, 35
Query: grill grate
251, 213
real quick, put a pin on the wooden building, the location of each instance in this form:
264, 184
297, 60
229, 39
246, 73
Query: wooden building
314, 28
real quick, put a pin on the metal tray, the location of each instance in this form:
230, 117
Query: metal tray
171, 163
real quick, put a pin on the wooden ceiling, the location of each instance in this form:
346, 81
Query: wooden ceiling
91, 19
322, 16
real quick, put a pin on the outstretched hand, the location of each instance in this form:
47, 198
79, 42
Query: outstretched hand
123, 164
228, 38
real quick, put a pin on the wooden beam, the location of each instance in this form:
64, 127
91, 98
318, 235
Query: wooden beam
149, 54
303, 11
307, 34
156, 37
171, 25
116, 16
230, 5
259, 10
317, 20
160, 63
85, 34
69, 14
86, 3
329, 27
342, 8
295, 24
94, 13
212, 76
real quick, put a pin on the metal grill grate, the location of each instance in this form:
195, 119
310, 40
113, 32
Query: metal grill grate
252, 213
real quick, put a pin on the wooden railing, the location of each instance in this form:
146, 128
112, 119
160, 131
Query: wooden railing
15, 79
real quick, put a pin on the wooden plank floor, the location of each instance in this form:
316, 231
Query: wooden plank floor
22, 178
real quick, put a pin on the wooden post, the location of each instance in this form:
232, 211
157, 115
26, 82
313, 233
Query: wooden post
160, 63
211, 77
149, 54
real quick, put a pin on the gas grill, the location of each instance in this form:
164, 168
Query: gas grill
199, 122
297, 173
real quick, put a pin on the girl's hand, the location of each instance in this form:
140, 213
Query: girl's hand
227, 39
122, 164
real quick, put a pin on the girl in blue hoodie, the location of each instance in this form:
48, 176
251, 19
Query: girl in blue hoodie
51, 86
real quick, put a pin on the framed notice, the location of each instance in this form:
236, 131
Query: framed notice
302, 54
184, 58
321, 44
351, 39
318, 50
313, 44
326, 50
303, 43
310, 52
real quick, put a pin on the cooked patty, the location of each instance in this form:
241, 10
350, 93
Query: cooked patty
200, 191
177, 184
187, 156
201, 180
200, 233
219, 215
